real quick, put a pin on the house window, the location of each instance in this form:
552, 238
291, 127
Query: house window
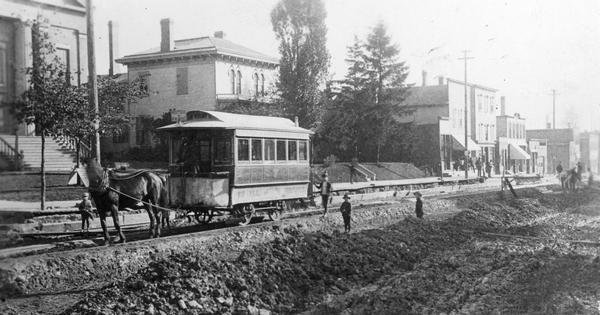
239, 83
262, 84
270, 150
243, 150
222, 151
487, 132
63, 58
479, 102
204, 147
232, 78
182, 81
281, 150
142, 129
144, 79
492, 106
122, 136
2, 64
255, 79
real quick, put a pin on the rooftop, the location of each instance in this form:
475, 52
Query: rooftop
222, 120
201, 46
426, 95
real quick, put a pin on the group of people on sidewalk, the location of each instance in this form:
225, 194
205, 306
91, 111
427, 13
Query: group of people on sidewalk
483, 168
325, 190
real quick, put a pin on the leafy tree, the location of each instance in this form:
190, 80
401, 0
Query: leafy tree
364, 106
50, 97
300, 27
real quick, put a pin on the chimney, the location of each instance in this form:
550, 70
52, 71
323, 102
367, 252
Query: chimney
548, 125
296, 121
112, 46
219, 34
441, 80
166, 44
424, 78
502, 105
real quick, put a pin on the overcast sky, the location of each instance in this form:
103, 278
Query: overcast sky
524, 48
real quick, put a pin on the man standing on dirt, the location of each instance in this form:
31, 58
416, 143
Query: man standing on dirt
325, 190
346, 210
419, 205
85, 208
559, 168
488, 168
478, 166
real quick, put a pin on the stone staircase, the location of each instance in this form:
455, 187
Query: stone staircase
58, 155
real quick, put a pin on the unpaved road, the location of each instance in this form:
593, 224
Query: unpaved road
460, 259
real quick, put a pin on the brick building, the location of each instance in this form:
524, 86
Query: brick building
201, 73
561, 147
65, 23
438, 112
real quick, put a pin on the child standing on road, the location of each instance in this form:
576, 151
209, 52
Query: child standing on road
85, 207
419, 205
325, 191
346, 210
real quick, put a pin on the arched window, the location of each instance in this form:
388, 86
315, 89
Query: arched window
255, 79
239, 83
262, 84
232, 78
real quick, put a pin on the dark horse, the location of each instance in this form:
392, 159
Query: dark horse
109, 193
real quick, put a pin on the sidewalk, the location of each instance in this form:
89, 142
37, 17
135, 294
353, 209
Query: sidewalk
22, 206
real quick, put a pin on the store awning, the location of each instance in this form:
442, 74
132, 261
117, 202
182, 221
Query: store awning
458, 144
516, 153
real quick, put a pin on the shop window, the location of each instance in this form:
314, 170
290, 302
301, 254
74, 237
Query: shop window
269, 150
3, 65
262, 84
281, 150
243, 150
257, 153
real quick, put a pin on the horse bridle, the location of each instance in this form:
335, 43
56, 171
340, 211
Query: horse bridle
104, 184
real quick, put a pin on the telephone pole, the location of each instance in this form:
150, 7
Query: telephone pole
465, 58
553, 109
92, 80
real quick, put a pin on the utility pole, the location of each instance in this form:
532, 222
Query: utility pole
553, 109
465, 58
92, 80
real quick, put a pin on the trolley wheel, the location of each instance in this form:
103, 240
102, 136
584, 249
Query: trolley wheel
204, 217
276, 213
247, 214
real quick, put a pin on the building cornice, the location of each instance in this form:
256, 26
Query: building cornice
187, 54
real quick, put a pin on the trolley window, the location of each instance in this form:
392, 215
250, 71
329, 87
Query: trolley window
292, 150
222, 151
243, 150
281, 150
257, 150
303, 150
204, 151
269, 150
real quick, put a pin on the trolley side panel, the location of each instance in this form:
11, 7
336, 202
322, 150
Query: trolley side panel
268, 192
199, 191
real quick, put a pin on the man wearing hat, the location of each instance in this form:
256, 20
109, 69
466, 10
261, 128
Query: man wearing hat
419, 205
325, 191
346, 210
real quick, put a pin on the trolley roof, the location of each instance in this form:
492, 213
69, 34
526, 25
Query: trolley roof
221, 120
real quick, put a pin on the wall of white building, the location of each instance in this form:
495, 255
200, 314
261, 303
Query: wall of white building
223, 71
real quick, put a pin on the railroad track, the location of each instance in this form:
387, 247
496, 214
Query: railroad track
58, 241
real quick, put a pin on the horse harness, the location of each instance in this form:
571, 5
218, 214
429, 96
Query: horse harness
104, 185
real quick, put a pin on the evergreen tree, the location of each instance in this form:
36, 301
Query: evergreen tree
300, 27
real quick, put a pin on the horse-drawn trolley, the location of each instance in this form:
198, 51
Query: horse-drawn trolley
241, 164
